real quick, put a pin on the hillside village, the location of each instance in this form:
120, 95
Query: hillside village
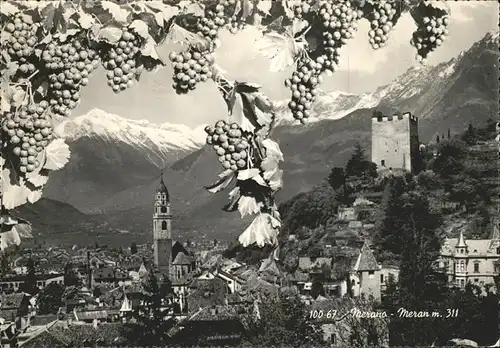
331, 257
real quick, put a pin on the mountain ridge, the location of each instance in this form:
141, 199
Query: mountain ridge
446, 96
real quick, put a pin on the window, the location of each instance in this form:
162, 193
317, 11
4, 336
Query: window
476, 280
381, 278
371, 272
163, 225
476, 267
462, 283
382, 163
462, 265
163, 209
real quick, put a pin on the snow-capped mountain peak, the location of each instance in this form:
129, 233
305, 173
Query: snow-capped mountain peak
137, 133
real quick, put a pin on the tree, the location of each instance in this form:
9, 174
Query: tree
336, 178
421, 287
355, 164
470, 135
449, 160
4, 263
310, 209
133, 248
50, 299
71, 277
388, 236
317, 289
152, 318
284, 322
30, 285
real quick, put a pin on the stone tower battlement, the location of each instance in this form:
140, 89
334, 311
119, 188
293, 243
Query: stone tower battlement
396, 117
395, 141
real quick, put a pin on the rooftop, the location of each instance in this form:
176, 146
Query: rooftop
366, 261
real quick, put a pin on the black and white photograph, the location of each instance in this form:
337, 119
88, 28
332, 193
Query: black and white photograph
249, 173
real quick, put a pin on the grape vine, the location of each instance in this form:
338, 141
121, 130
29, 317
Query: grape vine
50, 50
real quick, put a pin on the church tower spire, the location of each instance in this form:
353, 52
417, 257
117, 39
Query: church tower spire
162, 229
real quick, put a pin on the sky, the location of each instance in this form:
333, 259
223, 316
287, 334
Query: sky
361, 69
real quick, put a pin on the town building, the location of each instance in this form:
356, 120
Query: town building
474, 260
14, 283
395, 143
170, 258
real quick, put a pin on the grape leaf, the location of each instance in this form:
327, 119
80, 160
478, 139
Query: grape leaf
246, 9
234, 197
67, 34
165, 12
160, 19
119, 13
35, 195
280, 49
110, 34
262, 230
23, 229
225, 179
246, 87
85, 20
239, 113
149, 49
248, 206
39, 179
57, 155
255, 115
8, 8
140, 28
288, 7
9, 238
264, 6
253, 174
272, 149
194, 8
15, 193
179, 35
276, 180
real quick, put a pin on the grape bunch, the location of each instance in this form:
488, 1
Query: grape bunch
383, 16
20, 41
432, 29
71, 64
120, 62
303, 85
340, 23
230, 144
191, 67
28, 131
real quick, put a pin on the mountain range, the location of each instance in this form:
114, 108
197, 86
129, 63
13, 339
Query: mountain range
114, 168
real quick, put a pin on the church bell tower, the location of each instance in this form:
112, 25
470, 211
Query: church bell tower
162, 229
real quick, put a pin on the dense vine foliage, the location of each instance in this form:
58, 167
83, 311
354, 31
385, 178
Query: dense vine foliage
50, 50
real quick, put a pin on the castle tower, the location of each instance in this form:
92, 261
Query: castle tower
461, 261
162, 229
368, 271
395, 142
